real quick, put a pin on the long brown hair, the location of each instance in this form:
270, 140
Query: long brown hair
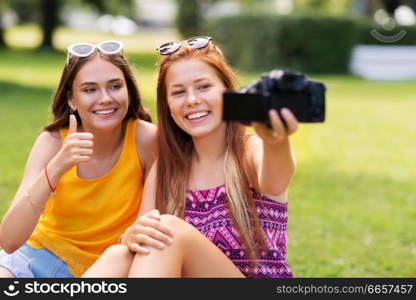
60, 107
175, 148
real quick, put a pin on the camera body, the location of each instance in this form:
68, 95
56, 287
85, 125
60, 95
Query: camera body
275, 90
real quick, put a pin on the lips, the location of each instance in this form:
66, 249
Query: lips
196, 115
105, 112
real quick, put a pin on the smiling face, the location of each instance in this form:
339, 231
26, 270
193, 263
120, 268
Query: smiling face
194, 95
99, 94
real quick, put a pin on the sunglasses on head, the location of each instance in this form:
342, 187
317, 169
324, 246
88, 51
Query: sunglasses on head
86, 49
197, 42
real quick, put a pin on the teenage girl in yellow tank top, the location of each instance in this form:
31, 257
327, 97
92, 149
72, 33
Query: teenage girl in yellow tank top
83, 180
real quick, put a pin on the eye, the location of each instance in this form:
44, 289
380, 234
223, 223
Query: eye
177, 92
116, 86
204, 86
89, 90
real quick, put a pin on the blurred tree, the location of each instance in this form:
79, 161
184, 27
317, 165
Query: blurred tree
3, 7
49, 21
46, 12
339, 7
189, 17
328, 7
190, 14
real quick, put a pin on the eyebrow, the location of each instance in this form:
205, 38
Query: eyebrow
93, 83
195, 81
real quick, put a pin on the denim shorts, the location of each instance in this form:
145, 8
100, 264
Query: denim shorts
27, 262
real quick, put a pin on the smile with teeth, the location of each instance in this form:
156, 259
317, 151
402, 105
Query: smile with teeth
105, 111
197, 115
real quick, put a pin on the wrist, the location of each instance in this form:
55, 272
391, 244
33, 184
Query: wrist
54, 172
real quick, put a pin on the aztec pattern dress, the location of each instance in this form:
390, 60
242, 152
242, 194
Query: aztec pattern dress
207, 211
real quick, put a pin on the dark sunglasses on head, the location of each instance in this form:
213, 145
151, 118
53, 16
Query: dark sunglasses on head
197, 42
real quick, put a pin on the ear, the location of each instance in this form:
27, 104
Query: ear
70, 102
71, 105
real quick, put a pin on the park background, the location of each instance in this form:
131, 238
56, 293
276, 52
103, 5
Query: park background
352, 201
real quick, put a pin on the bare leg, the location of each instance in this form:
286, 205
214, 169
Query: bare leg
4, 273
190, 255
114, 262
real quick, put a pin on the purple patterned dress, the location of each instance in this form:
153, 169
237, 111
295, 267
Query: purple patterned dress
207, 211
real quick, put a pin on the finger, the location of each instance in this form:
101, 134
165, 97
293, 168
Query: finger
156, 225
133, 247
84, 144
84, 151
277, 124
72, 124
291, 121
82, 136
154, 214
81, 158
144, 239
154, 234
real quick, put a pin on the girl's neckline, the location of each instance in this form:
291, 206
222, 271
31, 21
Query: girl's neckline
206, 189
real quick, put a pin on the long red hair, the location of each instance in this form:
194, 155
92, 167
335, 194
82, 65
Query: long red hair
175, 149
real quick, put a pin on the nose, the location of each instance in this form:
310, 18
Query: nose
192, 98
105, 97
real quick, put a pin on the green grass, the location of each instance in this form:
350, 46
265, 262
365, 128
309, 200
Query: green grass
353, 198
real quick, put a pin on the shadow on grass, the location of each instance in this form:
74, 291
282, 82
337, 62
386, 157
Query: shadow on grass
16, 96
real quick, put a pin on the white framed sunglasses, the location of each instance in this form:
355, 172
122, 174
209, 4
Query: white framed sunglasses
197, 42
86, 49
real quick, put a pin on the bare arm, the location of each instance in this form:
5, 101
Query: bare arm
24, 212
30, 199
146, 141
147, 230
272, 155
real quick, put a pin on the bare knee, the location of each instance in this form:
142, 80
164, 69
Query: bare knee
118, 252
4, 273
182, 231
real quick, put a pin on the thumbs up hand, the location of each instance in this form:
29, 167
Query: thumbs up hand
77, 147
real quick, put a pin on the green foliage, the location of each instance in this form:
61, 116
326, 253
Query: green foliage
327, 7
189, 17
305, 43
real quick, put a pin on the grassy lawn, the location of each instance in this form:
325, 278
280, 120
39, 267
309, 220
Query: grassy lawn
353, 198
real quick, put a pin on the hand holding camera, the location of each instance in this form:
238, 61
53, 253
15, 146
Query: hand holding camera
282, 125
276, 90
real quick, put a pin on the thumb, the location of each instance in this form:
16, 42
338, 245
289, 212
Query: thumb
72, 124
155, 214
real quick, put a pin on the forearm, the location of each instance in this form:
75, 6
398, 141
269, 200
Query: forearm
28, 205
277, 168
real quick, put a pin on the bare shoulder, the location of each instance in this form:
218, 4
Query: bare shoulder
49, 141
145, 133
46, 146
145, 141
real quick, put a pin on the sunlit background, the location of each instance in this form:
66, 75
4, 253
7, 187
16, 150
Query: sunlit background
352, 205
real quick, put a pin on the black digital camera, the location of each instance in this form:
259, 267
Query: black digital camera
275, 90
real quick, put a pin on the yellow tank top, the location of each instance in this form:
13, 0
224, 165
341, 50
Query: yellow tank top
88, 215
